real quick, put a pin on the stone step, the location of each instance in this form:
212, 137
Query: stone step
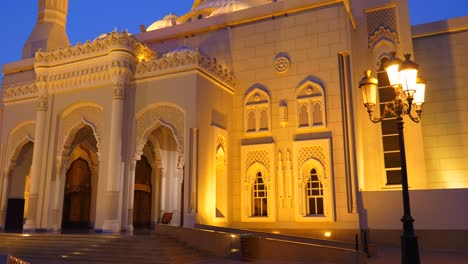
75, 249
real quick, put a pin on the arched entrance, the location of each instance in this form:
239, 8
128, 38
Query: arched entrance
18, 189
142, 195
159, 177
78, 183
77, 195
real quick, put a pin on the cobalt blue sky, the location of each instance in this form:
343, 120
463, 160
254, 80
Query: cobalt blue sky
89, 18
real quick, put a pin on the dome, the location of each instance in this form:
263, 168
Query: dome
232, 6
215, 4
107, 34
179, 50
167, 21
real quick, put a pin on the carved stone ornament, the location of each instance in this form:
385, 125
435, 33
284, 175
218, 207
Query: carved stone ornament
75, 119
187, 59
282, 64
168, 115
18, 137
19, 91
114, 41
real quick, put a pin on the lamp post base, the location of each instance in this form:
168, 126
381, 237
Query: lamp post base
409, 249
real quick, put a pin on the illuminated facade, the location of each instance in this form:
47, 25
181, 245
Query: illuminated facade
239, 113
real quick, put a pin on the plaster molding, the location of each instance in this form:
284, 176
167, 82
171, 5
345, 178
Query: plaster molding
120, 41
17, 138
20, 91
185, 60
75, 118
160, 114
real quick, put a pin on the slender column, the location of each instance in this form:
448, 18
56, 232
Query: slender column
58, 192
409, 242
114, 161
131, 195
41, 114
4, 197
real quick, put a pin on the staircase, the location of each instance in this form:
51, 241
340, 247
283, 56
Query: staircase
95, 248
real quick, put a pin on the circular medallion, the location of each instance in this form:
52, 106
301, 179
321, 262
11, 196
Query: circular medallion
282, 64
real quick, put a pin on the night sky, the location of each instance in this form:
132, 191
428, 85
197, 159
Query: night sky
87, 19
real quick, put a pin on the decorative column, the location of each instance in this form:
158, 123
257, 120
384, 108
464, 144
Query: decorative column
62, 162
41, 115
114, 159
4, 196
131, 194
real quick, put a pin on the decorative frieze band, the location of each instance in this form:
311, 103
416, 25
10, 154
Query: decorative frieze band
114, 40
20, 91
186, 59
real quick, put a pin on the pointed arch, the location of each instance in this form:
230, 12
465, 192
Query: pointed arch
75, 117
310, 97
152, 116
257, 110
17, 138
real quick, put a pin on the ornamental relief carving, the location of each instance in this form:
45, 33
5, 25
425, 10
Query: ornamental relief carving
19, 136
282, 64
85, 115
383, 34
221, 143
20, 91
114, 40
187, 59
315, 152
167, 115
260, 156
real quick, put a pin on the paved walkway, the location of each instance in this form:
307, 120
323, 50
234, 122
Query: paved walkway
392, 256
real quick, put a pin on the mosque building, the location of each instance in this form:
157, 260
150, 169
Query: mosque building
242, 114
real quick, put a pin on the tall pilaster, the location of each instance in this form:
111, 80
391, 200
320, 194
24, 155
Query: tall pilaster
41, 114
50, 29
113, 193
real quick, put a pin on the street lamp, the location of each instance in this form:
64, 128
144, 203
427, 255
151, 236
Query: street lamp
409, 94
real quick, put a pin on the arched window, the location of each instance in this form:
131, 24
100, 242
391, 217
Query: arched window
257, 111
314, 195
317, 115
258, 188
259, 197
313, 183
263, 120
251, 122
303, 116
310, 98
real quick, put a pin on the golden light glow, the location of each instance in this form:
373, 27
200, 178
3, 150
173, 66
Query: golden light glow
276, 232
25, 235
327, 234
141, 58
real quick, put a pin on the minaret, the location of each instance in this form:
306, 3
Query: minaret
197, 3
50, 29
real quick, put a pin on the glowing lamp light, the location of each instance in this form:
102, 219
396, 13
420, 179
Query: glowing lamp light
420, 93
408, 71
368, 86
327, 234
391, 67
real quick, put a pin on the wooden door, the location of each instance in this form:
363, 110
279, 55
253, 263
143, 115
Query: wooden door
142, 196
77, 200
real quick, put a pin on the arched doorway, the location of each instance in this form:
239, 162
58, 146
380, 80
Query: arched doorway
18, 189
158, 175
77, 195
142, 195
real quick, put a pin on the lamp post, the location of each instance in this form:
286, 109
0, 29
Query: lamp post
409, 95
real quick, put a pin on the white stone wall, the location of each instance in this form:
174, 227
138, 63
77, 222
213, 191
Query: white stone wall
444, 64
